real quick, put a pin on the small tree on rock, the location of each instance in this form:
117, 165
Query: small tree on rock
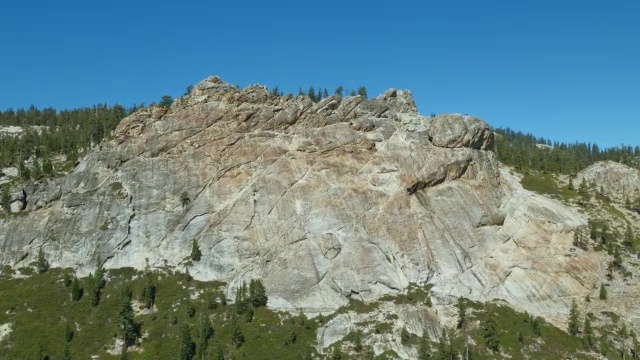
184, 199
196, 254
166, 101
42, 263
603, 292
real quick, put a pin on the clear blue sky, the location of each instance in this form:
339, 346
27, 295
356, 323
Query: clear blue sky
567, 70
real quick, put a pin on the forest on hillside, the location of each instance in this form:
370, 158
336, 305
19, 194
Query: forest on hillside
49, 132
528, 152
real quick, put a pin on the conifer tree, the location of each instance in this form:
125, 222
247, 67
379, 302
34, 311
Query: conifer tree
490, 334
237, 337
362, 91
629, 237
583, 193
339, 90
424, 350
187, 346
42, 262
589, 340
166, 101
241, 301
312, 94
93, 291
404, 336
205, 331
257, 293
47, 168
462, 313
76, 290
196, 254
574, 315
128, 327
603, 292
148, 296
101, 282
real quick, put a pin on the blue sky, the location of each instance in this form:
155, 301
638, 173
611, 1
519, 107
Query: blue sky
565, 70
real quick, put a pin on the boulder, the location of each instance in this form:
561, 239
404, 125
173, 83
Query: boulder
456, 131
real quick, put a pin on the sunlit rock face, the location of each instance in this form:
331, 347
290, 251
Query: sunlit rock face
344, 198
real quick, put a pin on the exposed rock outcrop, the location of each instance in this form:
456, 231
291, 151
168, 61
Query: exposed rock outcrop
455, 130
311, 197
617, 181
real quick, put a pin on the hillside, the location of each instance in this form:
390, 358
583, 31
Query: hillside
360, 213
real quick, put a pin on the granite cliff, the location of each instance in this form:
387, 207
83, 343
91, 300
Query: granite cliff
344, 198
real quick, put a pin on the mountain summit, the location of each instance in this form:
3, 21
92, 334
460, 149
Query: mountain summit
347, 198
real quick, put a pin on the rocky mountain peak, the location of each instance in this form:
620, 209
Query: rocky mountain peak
346, 198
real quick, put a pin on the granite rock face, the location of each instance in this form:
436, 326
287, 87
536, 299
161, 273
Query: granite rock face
617, 181
345, 198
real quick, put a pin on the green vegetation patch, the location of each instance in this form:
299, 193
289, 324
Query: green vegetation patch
41, 310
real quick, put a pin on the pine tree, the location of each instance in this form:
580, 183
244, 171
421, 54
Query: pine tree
574, 315
325, 93
128, 327
166, 101
362, 91
205, 331
629, 237
339, 90
241, 303
76, 290
583, 193
148, 296
424, 350
237, 338
603, 292
93, 291
589, 340
187, 346
617, 258
100, 280
25, 173
257, 293
42, 264
462, 313
404, 336
37, 170
196, 254
490, 334
444, 349
312, 94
